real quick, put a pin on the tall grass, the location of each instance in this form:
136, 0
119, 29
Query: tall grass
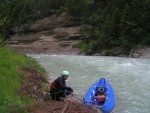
10, 79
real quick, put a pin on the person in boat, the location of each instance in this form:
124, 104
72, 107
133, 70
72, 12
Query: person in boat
58, 87
100, 94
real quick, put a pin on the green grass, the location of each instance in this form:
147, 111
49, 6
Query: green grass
10, 80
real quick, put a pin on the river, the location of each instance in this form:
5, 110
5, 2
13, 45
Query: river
129, 77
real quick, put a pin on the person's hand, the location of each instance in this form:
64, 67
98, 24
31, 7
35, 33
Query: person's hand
72, 94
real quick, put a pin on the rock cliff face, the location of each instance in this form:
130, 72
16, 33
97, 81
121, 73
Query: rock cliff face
142, 52
56, 34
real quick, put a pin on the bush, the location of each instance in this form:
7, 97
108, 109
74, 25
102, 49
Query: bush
119, 23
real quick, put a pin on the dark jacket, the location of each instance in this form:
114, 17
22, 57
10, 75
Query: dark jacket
58, 89
59, 84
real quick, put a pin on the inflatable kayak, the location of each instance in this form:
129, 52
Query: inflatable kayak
105, 105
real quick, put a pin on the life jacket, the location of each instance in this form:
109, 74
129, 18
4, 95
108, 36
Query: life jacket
52, 85
101, 98
58, 84
100, 94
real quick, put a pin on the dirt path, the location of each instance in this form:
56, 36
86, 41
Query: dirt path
64, 106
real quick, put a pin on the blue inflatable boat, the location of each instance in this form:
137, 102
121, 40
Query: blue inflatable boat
91, 102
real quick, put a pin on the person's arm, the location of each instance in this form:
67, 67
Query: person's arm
62, 84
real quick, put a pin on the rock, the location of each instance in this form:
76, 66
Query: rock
144, 53
47, 36
73, 37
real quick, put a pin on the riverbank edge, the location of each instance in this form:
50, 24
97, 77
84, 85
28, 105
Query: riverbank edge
16, 71
35, 85
34, 89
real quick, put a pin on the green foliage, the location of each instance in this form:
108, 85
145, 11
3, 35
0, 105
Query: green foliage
108, 23
13, 13
119, 23
77, 7
12, 106
57, 4
2, 41
16, 12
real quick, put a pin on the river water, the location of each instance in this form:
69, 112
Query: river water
130, 78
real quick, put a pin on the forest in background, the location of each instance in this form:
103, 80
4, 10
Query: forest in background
105, 24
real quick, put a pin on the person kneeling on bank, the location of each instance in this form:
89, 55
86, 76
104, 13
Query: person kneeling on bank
58, 87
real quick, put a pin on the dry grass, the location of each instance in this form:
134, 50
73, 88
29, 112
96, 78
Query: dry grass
71, 104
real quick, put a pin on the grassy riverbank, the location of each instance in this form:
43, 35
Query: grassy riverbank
11, 80
23, 88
